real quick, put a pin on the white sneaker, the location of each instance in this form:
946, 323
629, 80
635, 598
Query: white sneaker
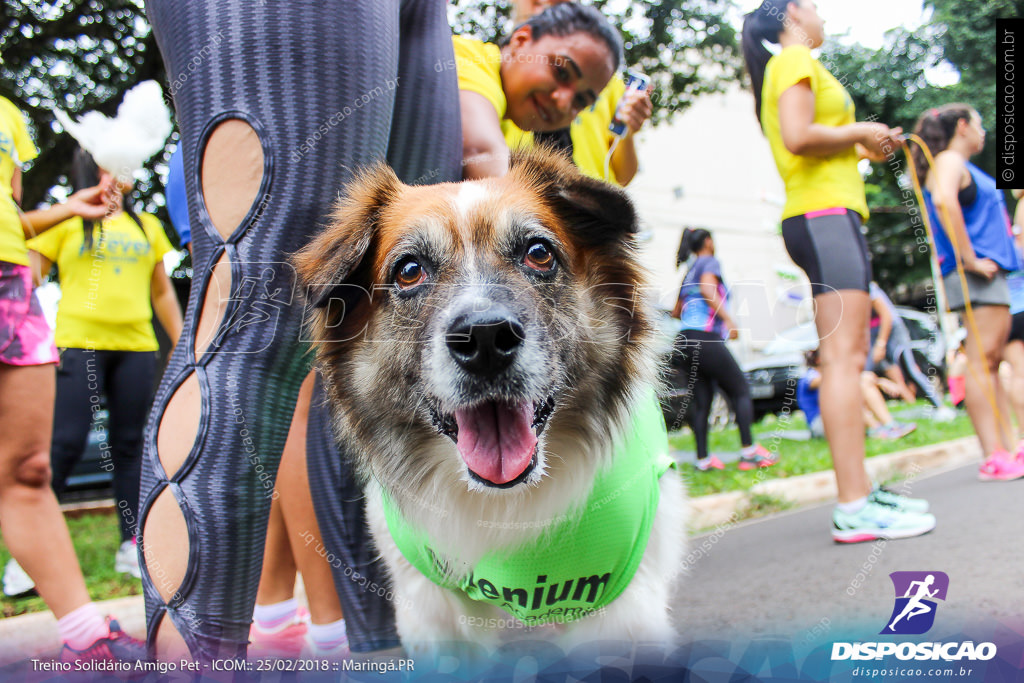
16, 581
126, 561
944, 414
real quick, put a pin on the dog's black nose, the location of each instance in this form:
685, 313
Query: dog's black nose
484, 343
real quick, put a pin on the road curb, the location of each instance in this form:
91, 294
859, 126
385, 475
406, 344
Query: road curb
723, 508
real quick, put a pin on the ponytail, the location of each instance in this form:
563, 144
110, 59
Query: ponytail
937, 127
764, 23
691, 242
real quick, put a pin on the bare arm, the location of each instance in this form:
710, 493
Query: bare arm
634, 111
88, 203
884, 328
484, 152
40, 266
165, 303
802, 136
709, 290
944, 184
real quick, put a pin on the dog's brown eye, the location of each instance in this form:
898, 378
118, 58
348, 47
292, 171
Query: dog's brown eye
409, 274
540, 257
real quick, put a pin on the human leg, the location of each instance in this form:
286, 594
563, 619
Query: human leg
985, 342
129, 382
841, 319
79, 386
715, 361
31, 522
299, 516
1014, 355
261, 176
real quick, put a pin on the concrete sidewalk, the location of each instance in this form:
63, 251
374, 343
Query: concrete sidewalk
35, 635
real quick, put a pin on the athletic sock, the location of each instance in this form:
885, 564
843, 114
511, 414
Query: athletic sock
748, 451
82, 627
275, 616
328, 636
853, 507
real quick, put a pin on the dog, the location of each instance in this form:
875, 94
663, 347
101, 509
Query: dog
487, 350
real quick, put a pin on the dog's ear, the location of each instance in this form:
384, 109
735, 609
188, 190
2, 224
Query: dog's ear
330, 266
597, 212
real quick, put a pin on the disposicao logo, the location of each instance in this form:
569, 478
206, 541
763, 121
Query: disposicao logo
916, 593
914, 614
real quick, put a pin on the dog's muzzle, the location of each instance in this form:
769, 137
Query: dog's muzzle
496, 435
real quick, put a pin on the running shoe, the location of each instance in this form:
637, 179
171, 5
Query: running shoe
892, 431
16, 582
284, 642
875, 521
117, 646
712, 463
126, 561
884, 496
944, 414
761, 457
1001, 466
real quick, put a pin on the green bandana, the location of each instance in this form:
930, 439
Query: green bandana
584, 560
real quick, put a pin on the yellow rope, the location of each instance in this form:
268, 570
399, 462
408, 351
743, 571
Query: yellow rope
972, 325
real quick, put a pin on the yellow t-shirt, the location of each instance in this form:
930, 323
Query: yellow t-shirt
478, 65
812, 183
591, 138
16, 148
105, 293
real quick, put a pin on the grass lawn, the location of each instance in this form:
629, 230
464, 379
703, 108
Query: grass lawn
96, 538
801, 457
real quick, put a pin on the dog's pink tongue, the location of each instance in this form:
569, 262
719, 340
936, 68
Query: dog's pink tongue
496, 441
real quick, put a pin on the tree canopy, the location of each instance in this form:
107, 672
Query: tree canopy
82, 55
891, 85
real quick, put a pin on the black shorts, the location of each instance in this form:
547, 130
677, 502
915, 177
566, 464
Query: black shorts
831, 249
1017, 328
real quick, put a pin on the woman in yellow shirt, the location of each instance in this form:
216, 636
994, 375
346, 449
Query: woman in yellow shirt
808, 118
30, 518
551, 68
593, 146
112, 281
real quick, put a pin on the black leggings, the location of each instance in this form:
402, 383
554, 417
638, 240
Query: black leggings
319, 84
711, 366
126, 379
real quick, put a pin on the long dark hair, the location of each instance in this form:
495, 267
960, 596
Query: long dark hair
764, 23
85, 173
692, 241
568, 18
937, 127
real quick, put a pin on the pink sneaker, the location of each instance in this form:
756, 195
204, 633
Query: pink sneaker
761, 457
710, 463
284, 642
1001, 466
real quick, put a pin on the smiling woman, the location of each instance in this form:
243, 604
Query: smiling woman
549, 70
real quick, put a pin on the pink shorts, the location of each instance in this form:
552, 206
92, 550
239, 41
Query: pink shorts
25, 336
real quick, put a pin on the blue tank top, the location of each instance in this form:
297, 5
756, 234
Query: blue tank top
697, 313
988, 226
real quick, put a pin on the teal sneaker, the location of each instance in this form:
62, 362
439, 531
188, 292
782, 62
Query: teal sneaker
884, 496
875, 521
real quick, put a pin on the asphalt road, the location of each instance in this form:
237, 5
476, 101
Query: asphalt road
784, 577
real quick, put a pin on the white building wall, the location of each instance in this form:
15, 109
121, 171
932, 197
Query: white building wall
712, 168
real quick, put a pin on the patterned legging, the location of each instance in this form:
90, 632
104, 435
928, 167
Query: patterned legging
327, 88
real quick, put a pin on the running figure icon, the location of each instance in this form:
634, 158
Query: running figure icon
915, 606
916, 596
